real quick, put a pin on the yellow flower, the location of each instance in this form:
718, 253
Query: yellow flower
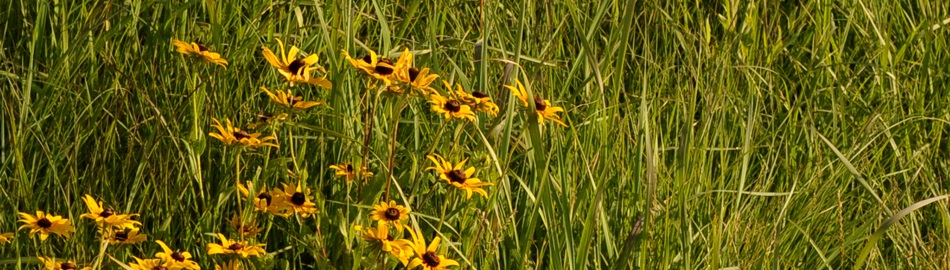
199, 50
230, 265
347, 170
129, 237
451, 108
273, 201
542, 106
457, 177
389, 212
376, 66
241, 248
175, 260
245, 229
231, 135
428, 258
299, 199
296, 69
5, 237
46, 224
286, 98
481, 102
147, 264
106, 216
52, 264
379, 238
416, 79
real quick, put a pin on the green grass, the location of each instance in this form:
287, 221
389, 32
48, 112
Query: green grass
729, 135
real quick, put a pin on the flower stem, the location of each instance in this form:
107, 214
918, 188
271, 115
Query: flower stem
392, 149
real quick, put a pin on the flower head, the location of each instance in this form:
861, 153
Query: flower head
46, 224
244, 228
174, 260
457, 177
5, 237
379, 238
287, 99
273, 201
349, 171
296, 69
241, 248
230, 265
107, 216
199, 50
414, 78
542, 106
129, 237
147, 264
428, 258
389, 213
52, 264
299, 199
378, 67
481, 102
231, 135
451, 108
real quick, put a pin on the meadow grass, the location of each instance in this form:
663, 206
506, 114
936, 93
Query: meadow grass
806, 135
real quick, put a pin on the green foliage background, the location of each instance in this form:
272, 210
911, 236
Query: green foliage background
716, 134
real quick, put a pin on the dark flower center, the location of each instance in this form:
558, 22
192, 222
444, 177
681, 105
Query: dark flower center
236, 246
44, 223
479, 94
121, 236
392, 213
368, 59
177, 256
295, 66
107, 213
389, 237
431, 259
241, 135
413, 73
202, 47
384, 69
349, 168
452, 106
159, 268
266, 197
298, 198
539, 103
68, 265
456, 176
291, 100
265, 117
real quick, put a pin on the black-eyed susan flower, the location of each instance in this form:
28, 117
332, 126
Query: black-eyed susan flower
349, 171
299, 199
450, 108
414, 78
542, 106
230, 135
379, 238
375, 66
240, 248
273, 201
175, 259
46, 224
287, 99
53, 264
428, 257
199, 50
5, 237
244, 228
296, 69
107, 216
389, 213
457, 177
128, 237
479, 101
147, 264
229, 265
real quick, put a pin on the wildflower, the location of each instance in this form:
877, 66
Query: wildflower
389, 212
379, 238
286, 98
273, 201
245, 229
416, 79
450, 108
241, 248
376, 66
147, 264
52, 264
199, 50
128, 237
300, 199
296, 69
347, 170
479, 101
46, 224
457, 177
231, 135
230, 265
5, 237
106, 216
542, 106
174, 260
428, 258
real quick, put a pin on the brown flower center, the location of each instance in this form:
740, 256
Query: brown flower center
296, 65
159, 268
68, 265
298, 198
539, 103
386, 69
431, 259
236, 246
241, 135
389, 237
266, 197
107, 213
392, 213
349, 168
292, 100
456, 176
413, 73
368, 59
121, 236
177, 256
44, 223
452, 106
479, 94
202, 47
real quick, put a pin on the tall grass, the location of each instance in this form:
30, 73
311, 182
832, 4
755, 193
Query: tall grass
700, 135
